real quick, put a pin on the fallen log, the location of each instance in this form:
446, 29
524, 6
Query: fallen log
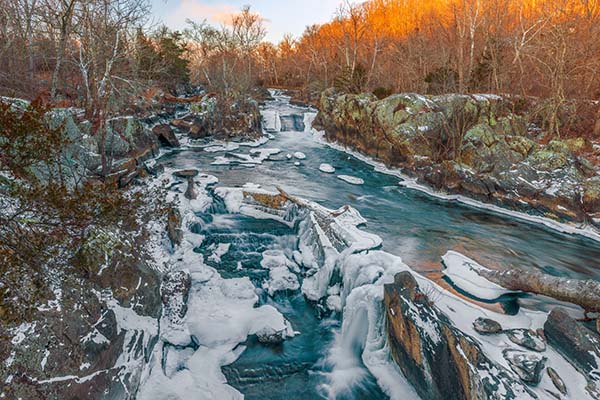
584, 293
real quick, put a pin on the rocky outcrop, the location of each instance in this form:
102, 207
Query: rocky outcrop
175, 290
577, 343
440, 361
174, 222
165, 135
468, 144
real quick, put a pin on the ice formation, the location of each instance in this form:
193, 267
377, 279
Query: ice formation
327, 168
351, 179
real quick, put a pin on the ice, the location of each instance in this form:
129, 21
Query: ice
221, 314
351, 179
219, 251
222, 147
256, 156
309, 118
462, 272
271, 120
280, 279
299, 155
327, 168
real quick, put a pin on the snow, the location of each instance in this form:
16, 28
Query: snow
224, 147
45, 359
219, 251
351, 179
299, 155
256, 157
21, 332
327, 168
221, 314
280, 279
461, 270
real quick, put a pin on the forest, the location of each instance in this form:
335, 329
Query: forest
101, 54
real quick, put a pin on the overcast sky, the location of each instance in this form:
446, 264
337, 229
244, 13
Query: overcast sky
282, 16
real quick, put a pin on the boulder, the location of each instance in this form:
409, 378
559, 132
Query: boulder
527, 338
557, 380
181, 125
186, 173
528, 366
189, 174
487, 326
174, 230
580, 345
166, 135
198, 130
440, 361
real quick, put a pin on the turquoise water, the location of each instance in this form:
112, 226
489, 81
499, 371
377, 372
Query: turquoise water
413, 225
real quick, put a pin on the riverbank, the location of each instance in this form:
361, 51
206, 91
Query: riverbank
493, 158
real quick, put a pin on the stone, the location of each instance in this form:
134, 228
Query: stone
557, 380
527, 338
598, 325
439, 360
186, 173
190, 192
174, 292
198, 130
181, 125
528, 366
486, 326
174, 230
573, 340
166, 135
271, 336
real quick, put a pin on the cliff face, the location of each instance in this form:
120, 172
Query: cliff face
471, 145
91, 333
440, 361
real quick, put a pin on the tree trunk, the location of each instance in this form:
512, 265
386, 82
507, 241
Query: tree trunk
64, 31
584, 293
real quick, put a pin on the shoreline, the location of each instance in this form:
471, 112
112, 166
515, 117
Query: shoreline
587, 231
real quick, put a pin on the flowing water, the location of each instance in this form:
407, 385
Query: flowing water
413, 225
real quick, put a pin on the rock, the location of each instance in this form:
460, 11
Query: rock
186, 173
557, 380
190, 192
528, 366
270, 336
440, 361
591, 195
574, 341
174, 292
189, 174
487, 326
198, 130
181, 125
166, 135
527, 338
598, 325
496, 161
174, 230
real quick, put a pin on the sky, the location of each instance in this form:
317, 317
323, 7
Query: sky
281, 16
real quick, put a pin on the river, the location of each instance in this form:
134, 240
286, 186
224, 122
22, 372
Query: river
413, 225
